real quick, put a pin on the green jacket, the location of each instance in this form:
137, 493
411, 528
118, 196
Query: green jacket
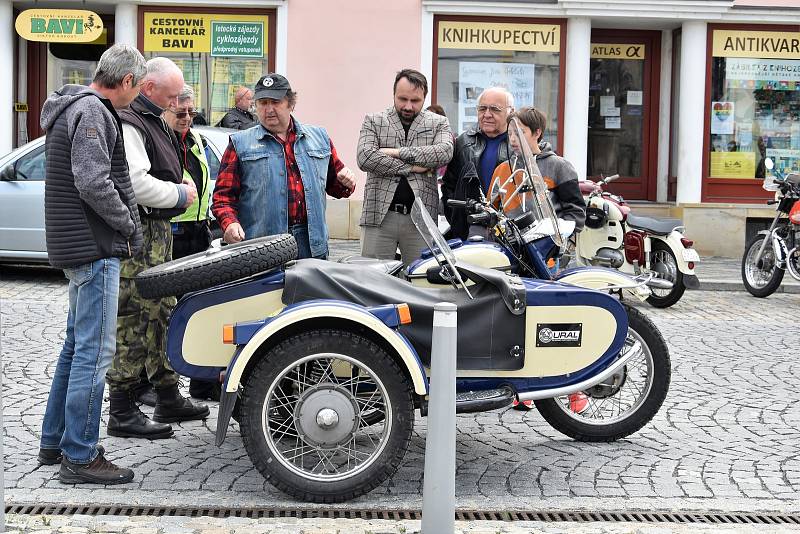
198, 211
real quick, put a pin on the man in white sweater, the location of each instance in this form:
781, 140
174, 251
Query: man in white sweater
161, 192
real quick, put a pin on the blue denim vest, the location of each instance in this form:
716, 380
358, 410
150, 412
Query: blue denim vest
263, 200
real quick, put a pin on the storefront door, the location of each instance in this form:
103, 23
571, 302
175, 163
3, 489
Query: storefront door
623, 110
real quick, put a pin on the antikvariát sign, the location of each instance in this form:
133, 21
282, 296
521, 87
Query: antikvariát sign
748, 43
500, 36
59, 25
219, 34
618, 51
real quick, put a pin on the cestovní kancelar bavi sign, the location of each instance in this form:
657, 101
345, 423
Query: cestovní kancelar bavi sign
218, 34
59, 25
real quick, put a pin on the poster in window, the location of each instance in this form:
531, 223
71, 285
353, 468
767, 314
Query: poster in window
474, 77
786, 160
608, 106
733, 164
722, 118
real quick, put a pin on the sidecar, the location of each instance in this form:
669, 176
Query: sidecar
325, 363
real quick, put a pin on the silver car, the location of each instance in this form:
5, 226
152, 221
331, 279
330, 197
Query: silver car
22, 238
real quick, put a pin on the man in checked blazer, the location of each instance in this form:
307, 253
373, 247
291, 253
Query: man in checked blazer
400, 149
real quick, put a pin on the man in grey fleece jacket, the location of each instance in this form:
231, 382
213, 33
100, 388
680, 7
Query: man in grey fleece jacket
91, 221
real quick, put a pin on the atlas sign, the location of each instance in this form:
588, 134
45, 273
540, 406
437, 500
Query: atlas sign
59, 25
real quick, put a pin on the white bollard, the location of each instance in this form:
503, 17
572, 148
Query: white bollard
439, 489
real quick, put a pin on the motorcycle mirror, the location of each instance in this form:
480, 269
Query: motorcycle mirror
769, 164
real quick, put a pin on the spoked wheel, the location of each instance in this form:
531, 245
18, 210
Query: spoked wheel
327, 416
664, 266
627, 400
761, 278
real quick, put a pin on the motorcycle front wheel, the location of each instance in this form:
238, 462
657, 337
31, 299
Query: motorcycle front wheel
664, 265
626, 401
761, 279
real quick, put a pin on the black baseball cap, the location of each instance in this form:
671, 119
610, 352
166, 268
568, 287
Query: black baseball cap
272, 86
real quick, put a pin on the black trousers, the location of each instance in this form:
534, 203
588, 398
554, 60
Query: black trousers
190, 238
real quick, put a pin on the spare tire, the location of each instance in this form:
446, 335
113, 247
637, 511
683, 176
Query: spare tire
216, 265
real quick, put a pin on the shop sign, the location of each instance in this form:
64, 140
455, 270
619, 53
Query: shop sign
220, 34
746, 43
500, 36
59, 25
749, 73
618, 51
20, 107
240, 39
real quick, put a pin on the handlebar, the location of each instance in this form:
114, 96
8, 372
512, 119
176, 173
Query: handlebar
470, 206
609, 179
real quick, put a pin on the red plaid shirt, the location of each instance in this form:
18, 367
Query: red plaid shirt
229, 179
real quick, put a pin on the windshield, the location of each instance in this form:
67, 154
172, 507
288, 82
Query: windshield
437, 244
519, 187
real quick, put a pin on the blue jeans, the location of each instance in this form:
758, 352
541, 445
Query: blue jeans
300, 233
72, 417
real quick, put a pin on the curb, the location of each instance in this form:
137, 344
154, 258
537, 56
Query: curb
728, 285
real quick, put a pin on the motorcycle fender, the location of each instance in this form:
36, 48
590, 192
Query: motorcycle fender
345, 311
673, 241
328, 310
600, 278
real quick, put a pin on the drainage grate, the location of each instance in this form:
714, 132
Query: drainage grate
551, 516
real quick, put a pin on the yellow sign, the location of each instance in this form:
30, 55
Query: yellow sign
59, 25
188, 32
617, 51
733, 164
748, 43
20, 106
500, 36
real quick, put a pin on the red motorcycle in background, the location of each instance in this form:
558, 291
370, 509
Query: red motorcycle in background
614, 237
769, 254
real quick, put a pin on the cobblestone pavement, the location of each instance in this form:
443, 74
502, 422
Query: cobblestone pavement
725, 438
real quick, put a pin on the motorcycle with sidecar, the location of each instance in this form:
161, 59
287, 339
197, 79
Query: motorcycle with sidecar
326, 363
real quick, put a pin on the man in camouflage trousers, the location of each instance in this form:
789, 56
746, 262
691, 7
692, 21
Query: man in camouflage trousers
162, 193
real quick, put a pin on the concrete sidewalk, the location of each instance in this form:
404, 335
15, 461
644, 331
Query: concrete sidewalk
725, 274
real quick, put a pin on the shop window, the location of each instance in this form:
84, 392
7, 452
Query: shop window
73, 63
218, 52
524, 57
755, 104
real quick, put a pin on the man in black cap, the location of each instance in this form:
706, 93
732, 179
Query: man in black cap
271, 176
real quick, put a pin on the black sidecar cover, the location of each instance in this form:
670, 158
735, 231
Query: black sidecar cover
490, 336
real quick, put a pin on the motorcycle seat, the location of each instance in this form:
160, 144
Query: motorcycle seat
390, 267
654, 226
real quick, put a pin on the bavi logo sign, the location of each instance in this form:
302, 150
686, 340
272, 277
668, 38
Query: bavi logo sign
59, 25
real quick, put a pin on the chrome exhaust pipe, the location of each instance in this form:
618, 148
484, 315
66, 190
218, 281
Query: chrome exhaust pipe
586, 384
659, 283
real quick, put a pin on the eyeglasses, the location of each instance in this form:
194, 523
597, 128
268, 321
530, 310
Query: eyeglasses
183, 114
494, 110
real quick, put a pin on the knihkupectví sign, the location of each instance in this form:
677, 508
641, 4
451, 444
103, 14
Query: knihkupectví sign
59, 25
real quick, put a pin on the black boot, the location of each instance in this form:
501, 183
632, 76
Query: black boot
126, 420
204, 389
143, 391
172, 407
